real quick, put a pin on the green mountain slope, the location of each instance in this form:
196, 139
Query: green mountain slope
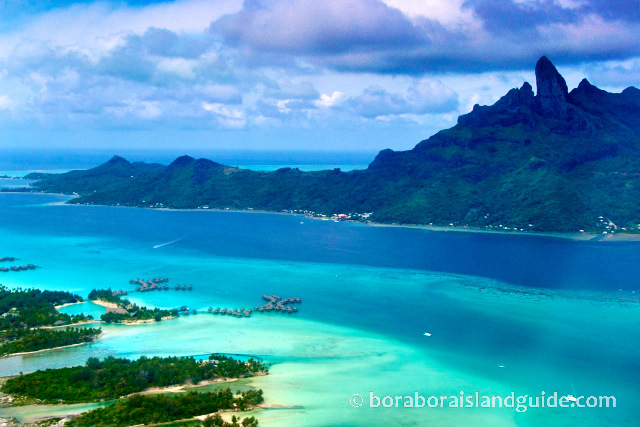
554, 161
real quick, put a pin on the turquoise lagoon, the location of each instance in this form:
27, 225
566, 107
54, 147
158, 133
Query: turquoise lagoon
560, 316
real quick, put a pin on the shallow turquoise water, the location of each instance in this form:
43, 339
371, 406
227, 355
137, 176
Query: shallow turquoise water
369, 294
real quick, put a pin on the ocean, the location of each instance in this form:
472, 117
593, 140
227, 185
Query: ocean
505, 313
14, 162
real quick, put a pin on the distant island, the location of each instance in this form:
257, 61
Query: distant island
556, 161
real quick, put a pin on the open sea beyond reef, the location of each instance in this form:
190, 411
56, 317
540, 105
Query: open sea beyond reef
559, 315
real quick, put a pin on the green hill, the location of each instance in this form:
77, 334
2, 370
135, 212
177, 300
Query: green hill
553, 161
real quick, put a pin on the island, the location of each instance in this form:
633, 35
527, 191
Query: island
117, 378
556, 161
123, 311
30, 322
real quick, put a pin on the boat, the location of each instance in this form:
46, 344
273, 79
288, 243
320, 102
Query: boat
427, 334
572, 397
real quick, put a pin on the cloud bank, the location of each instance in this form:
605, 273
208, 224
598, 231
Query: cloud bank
292, 64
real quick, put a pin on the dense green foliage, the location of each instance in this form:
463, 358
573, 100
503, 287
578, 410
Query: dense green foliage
31, 308
217, 421
513, 165
24, 340
140, 409
100, 177
133, 313
112, 378
107, 295
228, 367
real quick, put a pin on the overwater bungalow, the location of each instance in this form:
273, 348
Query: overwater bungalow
190, 287
276, 303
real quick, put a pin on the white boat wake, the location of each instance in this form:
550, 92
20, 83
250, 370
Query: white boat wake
168, 243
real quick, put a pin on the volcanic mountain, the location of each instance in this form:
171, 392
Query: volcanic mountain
551, 161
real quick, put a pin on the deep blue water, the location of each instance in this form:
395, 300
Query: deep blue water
532, 261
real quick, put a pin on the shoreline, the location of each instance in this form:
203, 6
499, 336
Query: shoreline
568, 235
58, 307
107, 304
48, 349
84, 322
575, 236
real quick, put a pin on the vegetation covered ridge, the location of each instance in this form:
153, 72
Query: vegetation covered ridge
551, 161
29, 340
112, 378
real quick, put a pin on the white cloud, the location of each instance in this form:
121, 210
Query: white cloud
5, 102
450, 13
425, 96
225, 116
224, 94
289, 90
614, 75
183, 68
330, 100
101, 26
592, 34
145, 110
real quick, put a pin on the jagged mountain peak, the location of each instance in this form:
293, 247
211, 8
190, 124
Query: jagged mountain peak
552, 91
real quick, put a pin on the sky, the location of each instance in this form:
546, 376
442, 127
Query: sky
352, 75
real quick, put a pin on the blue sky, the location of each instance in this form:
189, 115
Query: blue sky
287, 74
